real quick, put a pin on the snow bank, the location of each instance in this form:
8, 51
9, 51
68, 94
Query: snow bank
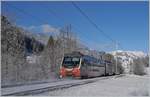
129, 85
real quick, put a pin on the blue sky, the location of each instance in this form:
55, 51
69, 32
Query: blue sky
125, 22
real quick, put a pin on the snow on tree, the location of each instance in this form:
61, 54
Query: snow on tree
138, 66
13, 55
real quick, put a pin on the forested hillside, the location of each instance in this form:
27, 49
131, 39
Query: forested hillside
13, 51
17, 45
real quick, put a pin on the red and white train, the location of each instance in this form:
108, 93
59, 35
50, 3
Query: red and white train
83, 66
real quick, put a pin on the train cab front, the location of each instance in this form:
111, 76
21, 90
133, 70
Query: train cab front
70, 67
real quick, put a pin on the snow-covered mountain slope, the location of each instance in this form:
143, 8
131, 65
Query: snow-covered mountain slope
126, 57
131, 54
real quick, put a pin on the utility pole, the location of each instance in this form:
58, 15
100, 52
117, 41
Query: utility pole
116, 55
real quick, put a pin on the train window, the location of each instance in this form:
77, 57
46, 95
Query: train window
71, 62
67, 59
75, 59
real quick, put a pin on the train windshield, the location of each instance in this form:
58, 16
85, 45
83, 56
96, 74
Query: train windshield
71, 62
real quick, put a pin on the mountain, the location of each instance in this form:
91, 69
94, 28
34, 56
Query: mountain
127, 57
131, 54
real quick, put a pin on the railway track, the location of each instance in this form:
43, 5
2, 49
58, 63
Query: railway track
16, 85
56, 87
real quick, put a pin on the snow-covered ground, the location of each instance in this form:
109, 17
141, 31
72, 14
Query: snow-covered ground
129, 85
13, 90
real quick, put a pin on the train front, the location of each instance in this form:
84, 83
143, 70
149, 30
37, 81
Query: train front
70, 67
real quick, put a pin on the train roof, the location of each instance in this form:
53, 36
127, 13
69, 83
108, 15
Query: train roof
73, 54
90, 58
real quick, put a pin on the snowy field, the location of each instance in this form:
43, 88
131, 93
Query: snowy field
128, 85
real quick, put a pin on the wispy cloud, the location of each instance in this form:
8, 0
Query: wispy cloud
31, 27
44, 28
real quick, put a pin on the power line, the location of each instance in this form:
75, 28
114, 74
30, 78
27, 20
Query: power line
36, 18
63, 20
90, 20
97, 27
39, 19
52, 11
94, 24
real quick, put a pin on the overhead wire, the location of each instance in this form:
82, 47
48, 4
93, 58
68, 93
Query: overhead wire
93, 23
65, 21
90, 21
62, 19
